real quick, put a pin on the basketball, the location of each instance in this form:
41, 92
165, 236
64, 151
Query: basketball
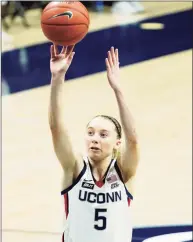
65, 23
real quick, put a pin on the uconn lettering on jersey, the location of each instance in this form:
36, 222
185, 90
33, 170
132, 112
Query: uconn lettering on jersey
100, 198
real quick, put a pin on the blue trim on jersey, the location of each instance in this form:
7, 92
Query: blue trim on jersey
67, 203
75, 181
120, 176
105, 175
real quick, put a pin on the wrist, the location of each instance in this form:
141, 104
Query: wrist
117, 91
58, 75
57, 78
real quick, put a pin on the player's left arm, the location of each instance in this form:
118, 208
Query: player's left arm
129, 157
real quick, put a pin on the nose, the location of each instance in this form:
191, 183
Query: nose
95, 139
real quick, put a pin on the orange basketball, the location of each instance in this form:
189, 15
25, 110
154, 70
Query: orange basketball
65, 23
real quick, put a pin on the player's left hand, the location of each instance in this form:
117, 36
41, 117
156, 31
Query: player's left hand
112, 65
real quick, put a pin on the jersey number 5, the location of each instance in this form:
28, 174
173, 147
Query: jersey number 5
99, 216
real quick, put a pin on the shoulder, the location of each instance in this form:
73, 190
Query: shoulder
69, 181
80, 164
129, 183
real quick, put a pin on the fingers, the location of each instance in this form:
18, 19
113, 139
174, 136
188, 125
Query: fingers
56, 50
107, 64
70, 58
110, 61
64, 49
69, 50
52, 52
113, 56
117, 56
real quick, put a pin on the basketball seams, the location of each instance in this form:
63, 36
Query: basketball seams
68, 10
65, 24
71, 39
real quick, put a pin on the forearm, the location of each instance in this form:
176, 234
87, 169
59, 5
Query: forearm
126, 117
56, 104
60, 137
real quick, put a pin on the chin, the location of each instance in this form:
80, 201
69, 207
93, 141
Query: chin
95, 157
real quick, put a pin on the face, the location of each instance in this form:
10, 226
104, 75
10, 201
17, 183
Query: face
101, 139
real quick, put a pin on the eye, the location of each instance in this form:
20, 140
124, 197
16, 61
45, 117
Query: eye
90, 133
103, 135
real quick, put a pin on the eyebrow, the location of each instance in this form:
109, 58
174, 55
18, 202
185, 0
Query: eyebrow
105, 130
100, 130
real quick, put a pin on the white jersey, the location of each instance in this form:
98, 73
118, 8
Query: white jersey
97, 213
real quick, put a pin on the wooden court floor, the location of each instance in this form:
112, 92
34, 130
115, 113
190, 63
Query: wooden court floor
159, 94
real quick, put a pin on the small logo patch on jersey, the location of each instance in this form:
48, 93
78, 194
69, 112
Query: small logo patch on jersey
88, 185
112, 178
114, 185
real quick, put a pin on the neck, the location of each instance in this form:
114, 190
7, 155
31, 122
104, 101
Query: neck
99, 168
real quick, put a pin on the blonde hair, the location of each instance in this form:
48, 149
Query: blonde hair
116, 123
116, 153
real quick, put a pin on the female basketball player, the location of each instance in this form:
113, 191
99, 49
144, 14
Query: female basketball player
96, 188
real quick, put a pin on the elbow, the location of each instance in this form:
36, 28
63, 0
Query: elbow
132, 140
130, 172
131, 137
54, 127
52, 122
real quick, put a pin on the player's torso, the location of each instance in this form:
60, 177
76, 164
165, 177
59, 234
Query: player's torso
98, 213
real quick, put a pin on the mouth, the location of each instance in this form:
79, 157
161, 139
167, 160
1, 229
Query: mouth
95, 148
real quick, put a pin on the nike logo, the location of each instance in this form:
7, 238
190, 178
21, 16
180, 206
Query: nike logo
87, 180
67, 13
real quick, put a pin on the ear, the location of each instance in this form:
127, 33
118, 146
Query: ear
118, 144
117, 149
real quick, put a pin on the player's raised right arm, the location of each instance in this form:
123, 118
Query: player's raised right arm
59, 64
